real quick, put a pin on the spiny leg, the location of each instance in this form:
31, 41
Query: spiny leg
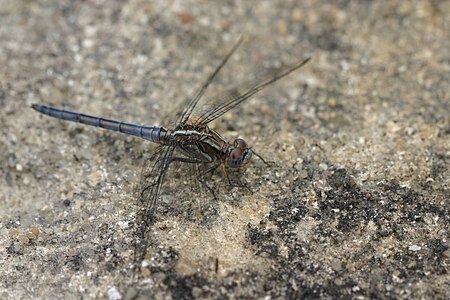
261, 158
232, 184
199, 175
201, 178
201, 184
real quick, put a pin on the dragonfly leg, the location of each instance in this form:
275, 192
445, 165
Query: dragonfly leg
200, 174
210, 169
232, 184
261, 158
185, 160
203, 182
210, 189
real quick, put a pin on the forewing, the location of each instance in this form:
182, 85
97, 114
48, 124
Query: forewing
219, 104
186, 107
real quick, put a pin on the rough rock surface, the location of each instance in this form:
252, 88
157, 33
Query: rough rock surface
354, 204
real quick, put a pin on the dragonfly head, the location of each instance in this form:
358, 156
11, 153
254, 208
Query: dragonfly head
239, 154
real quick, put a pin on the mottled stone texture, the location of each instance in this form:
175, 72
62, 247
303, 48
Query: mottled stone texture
355, 201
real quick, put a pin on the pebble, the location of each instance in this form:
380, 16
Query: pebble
114, 294
5, 219
23, 239
323, 166
414, 248
13, 232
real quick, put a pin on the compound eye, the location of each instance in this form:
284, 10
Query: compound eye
235, 158
240, 143
236, 154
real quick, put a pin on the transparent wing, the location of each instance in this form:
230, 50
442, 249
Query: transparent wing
230, 98
153, 175
152, 178
185, 109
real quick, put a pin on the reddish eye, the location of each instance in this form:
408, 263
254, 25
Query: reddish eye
240, 143
236, 154
240, 154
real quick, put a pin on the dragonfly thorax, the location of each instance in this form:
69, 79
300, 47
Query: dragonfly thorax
200, 144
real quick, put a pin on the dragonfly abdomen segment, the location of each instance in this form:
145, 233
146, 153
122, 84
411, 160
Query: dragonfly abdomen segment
152, 133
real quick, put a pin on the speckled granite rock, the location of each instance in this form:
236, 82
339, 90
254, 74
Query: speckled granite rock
355, 205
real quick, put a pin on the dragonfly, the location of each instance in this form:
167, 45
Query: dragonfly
186, 138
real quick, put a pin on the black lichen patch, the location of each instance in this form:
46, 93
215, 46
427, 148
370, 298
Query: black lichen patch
286, 213
346, 203
410, 205
437, 247
12, 223
397, 216
303, 290
388, 205
180, 286
263, 239
74, 262
409, 264
164, 260
14, 249
436, 258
